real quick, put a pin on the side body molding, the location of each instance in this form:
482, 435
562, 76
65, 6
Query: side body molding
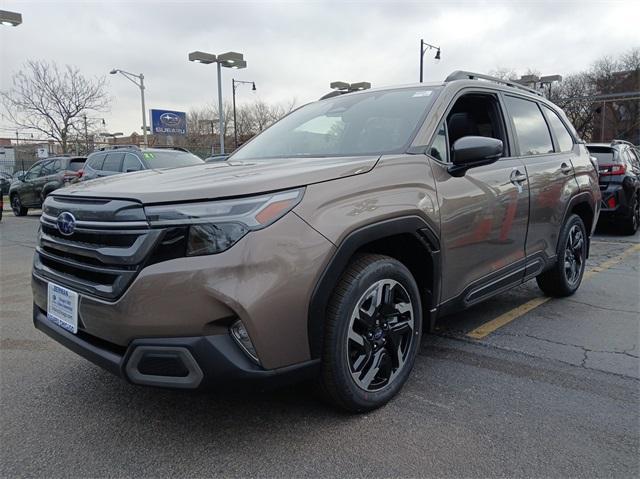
321, 295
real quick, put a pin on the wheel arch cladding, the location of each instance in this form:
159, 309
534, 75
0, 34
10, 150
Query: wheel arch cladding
408, 239
581, 205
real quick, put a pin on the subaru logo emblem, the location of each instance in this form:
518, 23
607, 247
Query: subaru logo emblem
66, 223
170, 119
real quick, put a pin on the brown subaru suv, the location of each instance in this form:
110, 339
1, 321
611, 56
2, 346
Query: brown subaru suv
325, 246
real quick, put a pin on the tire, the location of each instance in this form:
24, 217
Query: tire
361, 367
632, 222
564, 278
16, 206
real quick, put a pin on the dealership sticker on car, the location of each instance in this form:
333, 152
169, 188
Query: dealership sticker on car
62, 307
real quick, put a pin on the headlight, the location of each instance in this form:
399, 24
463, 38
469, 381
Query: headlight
214, 226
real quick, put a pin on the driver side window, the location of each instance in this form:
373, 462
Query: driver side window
477, 114
34, 172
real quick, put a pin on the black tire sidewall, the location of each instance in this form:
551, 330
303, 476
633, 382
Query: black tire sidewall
573, 220
384, 268
19, 210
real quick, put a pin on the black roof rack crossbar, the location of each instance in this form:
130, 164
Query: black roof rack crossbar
463, 75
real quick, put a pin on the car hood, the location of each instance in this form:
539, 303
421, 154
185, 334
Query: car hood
218, 180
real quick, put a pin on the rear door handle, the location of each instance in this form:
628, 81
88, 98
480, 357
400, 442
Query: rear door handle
566, 169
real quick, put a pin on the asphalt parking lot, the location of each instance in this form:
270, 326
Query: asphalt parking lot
518, 386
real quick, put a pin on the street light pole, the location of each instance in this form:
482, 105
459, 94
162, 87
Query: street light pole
140, 84
235, 82
228, 60
423, 49
221, 108
86, 133
144, 112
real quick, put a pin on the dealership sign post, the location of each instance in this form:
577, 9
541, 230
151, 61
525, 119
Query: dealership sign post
168, 123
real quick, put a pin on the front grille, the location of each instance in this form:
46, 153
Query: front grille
111, 243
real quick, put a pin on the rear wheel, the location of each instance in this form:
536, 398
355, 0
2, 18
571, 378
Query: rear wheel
632, 222
16, 206
566, 275
372, 335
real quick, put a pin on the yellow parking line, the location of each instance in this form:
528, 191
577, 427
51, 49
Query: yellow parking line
490, 326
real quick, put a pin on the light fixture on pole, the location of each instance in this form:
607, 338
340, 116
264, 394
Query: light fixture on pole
228, 60
10, 19
137, 80
234, 84
423, 49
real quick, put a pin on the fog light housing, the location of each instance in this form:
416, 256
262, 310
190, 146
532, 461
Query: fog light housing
241, 336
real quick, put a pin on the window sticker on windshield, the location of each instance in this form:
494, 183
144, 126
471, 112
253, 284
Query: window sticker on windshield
148, 156
421, 93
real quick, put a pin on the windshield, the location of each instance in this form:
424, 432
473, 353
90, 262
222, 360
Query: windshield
368, 123
170, 159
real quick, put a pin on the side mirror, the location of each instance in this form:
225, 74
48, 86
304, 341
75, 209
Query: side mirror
472, 151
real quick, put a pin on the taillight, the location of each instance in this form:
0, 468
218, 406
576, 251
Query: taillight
79, 173
615, 169
611, 202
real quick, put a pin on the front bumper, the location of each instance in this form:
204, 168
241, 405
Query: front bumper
264, 280
182, 362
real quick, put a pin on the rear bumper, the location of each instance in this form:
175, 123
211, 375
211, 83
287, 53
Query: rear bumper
615, 202
200, 362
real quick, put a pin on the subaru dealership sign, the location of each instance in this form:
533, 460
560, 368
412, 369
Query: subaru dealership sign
167, 122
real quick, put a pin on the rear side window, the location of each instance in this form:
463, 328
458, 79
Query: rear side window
75, 165
131, 163
113, 162
531, 128
565, 142
95, 162
47, 169
57, 166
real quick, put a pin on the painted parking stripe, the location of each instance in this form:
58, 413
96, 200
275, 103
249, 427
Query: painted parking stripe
490, 326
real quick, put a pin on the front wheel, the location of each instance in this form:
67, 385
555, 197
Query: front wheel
16, 206
372, 334
564, 278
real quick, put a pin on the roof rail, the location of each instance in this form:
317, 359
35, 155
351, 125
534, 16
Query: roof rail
177, 148
463, 75
621, 142
116, 147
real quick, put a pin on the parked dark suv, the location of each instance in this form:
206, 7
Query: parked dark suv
126, 158
324, 246
28, 190
619, 170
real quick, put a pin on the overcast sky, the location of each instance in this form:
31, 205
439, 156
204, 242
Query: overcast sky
294, 49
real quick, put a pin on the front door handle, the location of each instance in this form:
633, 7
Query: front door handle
517, 177
566, 169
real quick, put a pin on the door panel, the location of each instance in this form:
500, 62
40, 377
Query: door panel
552, 184
27, 190
483, 218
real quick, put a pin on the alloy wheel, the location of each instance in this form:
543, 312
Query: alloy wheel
381, 333
16, 205
574, 255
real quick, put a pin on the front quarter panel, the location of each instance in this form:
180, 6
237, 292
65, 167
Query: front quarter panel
399, 185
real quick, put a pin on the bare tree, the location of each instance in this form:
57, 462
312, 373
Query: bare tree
52, 100
504, 73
